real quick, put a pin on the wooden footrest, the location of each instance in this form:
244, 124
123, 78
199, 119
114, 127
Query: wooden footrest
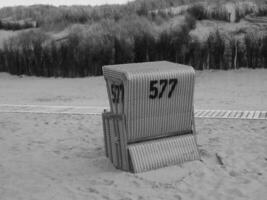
159, 153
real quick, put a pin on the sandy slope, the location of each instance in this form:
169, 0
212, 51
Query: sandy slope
242, 89
62, 157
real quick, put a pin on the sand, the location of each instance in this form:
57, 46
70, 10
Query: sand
243, 89
57, 156
62, 157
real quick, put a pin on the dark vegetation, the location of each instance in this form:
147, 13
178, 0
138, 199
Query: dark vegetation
121, 34
200, 12
14, 26
262, 11
50, 17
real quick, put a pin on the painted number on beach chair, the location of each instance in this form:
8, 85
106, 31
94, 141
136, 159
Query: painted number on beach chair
157, 87
173, 83
117, 92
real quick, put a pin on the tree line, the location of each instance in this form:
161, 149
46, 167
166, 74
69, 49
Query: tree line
14, 25
200, 12
52, 17
131, 39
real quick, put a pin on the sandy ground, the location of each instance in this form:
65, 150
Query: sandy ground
62, 157
52, 156
240, 90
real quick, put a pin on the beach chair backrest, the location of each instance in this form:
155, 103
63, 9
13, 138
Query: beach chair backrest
156, 98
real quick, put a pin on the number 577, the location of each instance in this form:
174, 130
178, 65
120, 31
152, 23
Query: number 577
157, 87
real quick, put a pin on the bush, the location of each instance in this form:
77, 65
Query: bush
190, 22
252, 45
262, 11
16, 25
264, 51
242, 12
198, 12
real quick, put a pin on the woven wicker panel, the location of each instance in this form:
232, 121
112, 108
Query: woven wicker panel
111, 139
106, 132
146, 117
114, 139
163, 152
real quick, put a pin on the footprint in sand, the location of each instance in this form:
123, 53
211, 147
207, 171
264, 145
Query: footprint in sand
235, 192
177, 197
108, 182
92, 190
233, 173
105, 197
204, 153
66, 158
214, 139
56, 152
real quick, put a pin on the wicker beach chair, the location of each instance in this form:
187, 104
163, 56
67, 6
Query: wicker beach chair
151, 119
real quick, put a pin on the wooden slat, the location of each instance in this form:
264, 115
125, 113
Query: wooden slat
231, 114
163, 152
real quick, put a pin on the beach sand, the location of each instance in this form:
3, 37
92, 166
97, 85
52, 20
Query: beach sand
57, 156
243, 89
62, 157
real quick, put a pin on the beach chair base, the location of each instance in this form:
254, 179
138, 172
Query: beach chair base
145, 155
